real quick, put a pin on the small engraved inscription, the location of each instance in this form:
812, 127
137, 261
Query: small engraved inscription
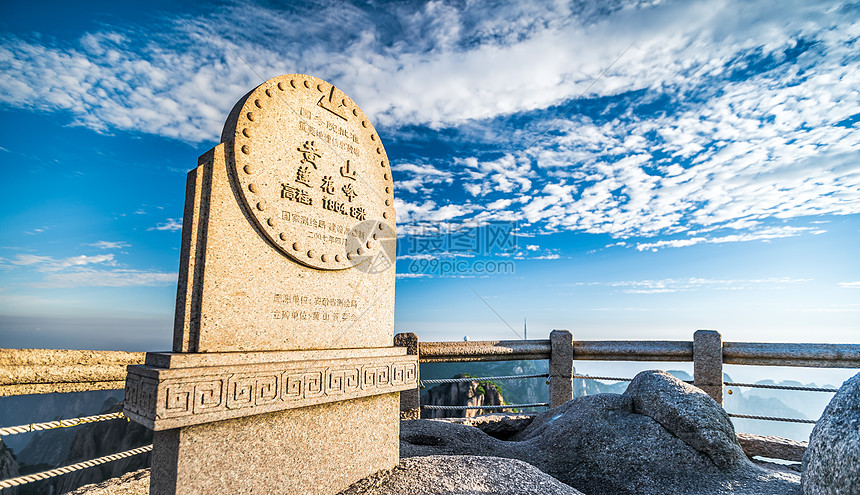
291, 193
309, 153
311, 169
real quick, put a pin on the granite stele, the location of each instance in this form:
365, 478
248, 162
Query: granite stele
283, 376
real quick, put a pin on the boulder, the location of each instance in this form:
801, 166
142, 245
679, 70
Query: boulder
831, 464
498, 425
462, 475
607, 444
689, 413
425, 437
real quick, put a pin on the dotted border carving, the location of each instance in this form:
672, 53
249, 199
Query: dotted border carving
252, 114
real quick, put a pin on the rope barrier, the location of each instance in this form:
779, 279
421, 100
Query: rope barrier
29, 478
61, 423
481, 379
780, 387
506, 406
771, 418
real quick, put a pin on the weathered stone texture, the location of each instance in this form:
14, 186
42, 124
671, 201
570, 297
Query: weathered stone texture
410, 400
43, 371
602, 444
831, 464
195, 395
289, 237
134, 483
310, 450
690, 414
773, 447
463, 475
708, 363
560, 367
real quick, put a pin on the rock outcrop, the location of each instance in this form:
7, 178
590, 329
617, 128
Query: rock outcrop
134, 483
103, 438
8, 467
463, 475
607, 444
498, 425
470, 393
831, 464
689, 414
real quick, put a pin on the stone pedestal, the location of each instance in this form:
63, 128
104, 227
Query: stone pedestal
284, 378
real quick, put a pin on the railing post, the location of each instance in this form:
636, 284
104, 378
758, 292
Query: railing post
708, 363
410, 400
560, 367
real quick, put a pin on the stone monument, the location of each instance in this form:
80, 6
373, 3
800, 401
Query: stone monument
283, 376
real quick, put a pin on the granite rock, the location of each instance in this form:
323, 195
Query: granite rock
602, 444
498, 425
462, 475
8, 466
133, 483
831, 464
688, 413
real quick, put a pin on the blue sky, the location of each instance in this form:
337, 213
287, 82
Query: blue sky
653, 167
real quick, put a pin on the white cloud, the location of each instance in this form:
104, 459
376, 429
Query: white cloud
756, 235
434, 255
849, 285
449, 65
532, 247
737, 143
105, 278
412, 275
422, 178
428, 211
110, 244
499, 204
86, 271
693, 284
505, 175
171, 225
47, 263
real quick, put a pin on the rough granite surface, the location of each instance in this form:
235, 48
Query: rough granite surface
687, 412
773, 447
133, 483
598, 444
461, 475
498, 425
831, 464
293, 217
309, 450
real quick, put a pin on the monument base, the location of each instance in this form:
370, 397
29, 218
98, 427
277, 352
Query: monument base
320, 449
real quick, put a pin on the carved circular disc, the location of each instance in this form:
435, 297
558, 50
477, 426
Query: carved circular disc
311, 170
